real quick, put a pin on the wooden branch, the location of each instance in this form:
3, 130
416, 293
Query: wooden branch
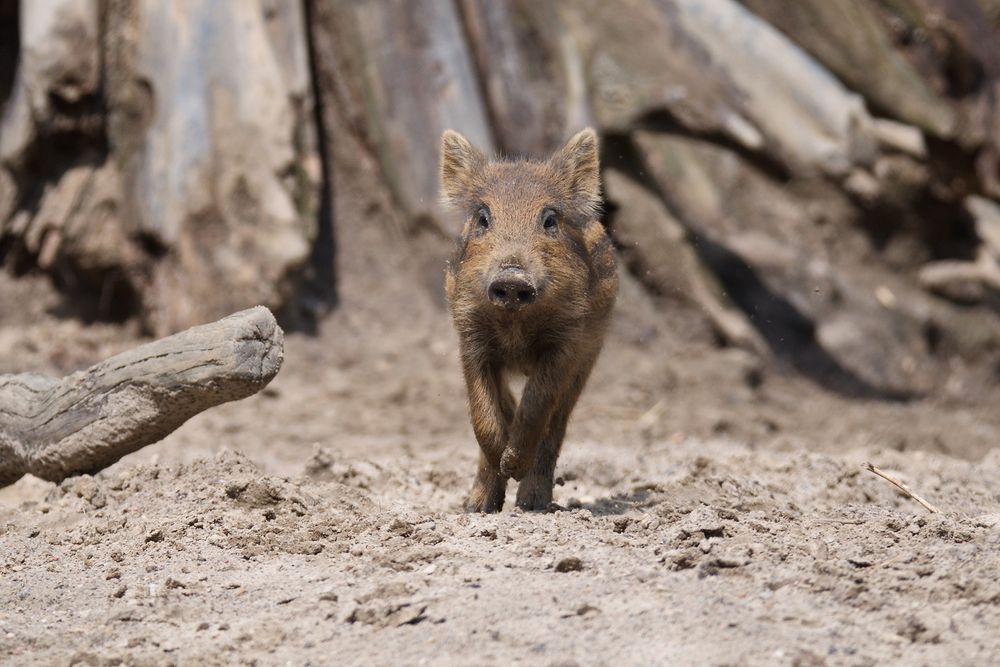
901, 486
84, 422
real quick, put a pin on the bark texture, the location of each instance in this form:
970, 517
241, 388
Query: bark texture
86, 421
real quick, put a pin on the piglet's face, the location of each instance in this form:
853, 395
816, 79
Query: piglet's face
522, 243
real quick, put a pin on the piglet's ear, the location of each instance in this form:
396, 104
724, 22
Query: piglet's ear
579, 165
460, 164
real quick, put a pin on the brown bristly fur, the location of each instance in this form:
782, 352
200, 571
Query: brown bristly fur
555, 339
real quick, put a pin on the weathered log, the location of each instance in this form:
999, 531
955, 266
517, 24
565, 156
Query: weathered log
519, 52
162, 154
962, 281
86, 421
658, 248
768, 246
420, 80
851, 40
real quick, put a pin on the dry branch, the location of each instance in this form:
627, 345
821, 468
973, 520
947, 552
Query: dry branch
84, 422
901, 486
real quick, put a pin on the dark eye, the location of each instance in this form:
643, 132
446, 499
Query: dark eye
482, 220
550, 222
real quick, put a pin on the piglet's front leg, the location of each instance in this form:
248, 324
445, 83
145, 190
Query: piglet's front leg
491, 409
541, 396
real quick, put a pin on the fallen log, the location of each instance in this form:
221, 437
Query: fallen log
86, 421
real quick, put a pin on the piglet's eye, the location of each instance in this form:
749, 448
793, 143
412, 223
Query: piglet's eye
549, 222
482, 220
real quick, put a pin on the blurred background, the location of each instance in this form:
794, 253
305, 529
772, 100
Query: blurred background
804, 195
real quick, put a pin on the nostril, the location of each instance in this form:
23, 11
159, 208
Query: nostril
511, 290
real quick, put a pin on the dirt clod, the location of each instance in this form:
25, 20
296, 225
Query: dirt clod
571, 564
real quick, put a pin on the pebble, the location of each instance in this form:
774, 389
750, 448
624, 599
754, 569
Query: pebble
570, 564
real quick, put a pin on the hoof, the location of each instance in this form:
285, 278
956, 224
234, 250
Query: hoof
486, 498
534, 495
482, 506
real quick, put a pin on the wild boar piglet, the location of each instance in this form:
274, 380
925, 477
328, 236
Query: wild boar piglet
530, 287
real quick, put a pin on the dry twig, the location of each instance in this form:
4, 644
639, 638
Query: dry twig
901, 486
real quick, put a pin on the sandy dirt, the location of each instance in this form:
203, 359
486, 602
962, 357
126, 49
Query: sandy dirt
712, 511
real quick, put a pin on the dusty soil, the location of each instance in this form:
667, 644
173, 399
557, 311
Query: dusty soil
712, 511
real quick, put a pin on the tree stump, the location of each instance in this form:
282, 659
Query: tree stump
86, 421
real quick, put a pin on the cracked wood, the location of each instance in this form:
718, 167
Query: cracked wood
86, 421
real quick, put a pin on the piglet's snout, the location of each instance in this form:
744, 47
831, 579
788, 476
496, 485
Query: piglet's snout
512, 288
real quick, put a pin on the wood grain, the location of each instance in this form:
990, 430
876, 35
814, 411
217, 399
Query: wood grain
86, 421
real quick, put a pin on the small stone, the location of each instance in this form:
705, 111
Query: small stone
155, 535
570, 564
120, 591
